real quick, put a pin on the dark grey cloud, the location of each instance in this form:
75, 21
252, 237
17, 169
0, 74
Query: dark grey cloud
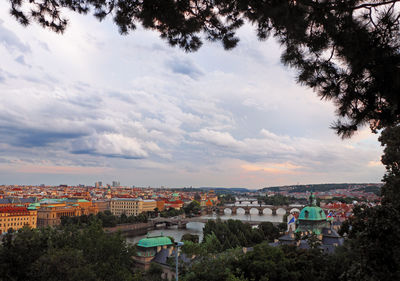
185, 67
86, 101
31, 137
11, 41
93, 152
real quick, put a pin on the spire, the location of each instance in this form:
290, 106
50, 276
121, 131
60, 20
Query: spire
313, 200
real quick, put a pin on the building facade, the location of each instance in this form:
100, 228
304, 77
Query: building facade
51, 211
127, 206
148, 205
51, 215
16, 218
130, 206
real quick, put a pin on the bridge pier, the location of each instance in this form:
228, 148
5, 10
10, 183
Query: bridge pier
247, 211
274, 212
234, 211
260, 211
182, 225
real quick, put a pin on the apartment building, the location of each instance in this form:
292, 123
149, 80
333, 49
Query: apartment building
130, 206
16, 218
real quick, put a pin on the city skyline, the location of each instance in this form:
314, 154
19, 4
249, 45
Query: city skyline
93, 105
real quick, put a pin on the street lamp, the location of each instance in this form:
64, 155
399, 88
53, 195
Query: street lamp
178, 244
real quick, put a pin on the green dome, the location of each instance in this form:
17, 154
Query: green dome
154, 242
313, 213
312, 218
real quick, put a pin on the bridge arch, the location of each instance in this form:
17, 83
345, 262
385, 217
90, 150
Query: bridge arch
254, 211
227, 211
267, 211
281, 211
240, 211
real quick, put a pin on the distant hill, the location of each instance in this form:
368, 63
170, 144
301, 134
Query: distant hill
227, 189
216, 189
367, 187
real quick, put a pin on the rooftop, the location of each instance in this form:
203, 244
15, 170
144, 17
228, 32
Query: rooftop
156, 241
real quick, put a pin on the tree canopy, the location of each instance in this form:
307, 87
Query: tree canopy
66, 253
346, 50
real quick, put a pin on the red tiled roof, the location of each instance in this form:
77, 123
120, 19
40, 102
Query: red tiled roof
13, 210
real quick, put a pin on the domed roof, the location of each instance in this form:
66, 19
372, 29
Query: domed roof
312, 212
150, 242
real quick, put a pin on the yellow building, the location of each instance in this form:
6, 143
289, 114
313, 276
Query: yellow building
149, 205
127, 206
51, 210
130, 206
16, 218
51, 215
102, 205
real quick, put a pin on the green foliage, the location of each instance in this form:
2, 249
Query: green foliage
227, 198
278, 200
67, 253
390, 138
269, 231
214, 268
266, 263
313, 241
374, 244
234, 233
106, 218
323, 187
171, 212
193, 208
190, 237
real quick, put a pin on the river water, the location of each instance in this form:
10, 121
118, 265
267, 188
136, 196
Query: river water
197, 227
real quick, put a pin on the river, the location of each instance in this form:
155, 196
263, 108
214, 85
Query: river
197, 227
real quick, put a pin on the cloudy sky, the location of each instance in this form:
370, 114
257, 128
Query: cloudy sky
93, 105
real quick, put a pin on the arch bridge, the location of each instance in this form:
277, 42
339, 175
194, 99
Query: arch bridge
273, 209
249, 200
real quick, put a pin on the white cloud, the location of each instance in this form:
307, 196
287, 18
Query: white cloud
113, 145
222, 139
151, 114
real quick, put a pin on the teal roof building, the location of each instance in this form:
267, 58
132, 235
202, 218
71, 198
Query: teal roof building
148, 247
150, 242
312, 219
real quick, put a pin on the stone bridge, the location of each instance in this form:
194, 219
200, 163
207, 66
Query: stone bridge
261, 209
242, 200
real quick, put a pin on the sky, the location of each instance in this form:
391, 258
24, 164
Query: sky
92, 105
